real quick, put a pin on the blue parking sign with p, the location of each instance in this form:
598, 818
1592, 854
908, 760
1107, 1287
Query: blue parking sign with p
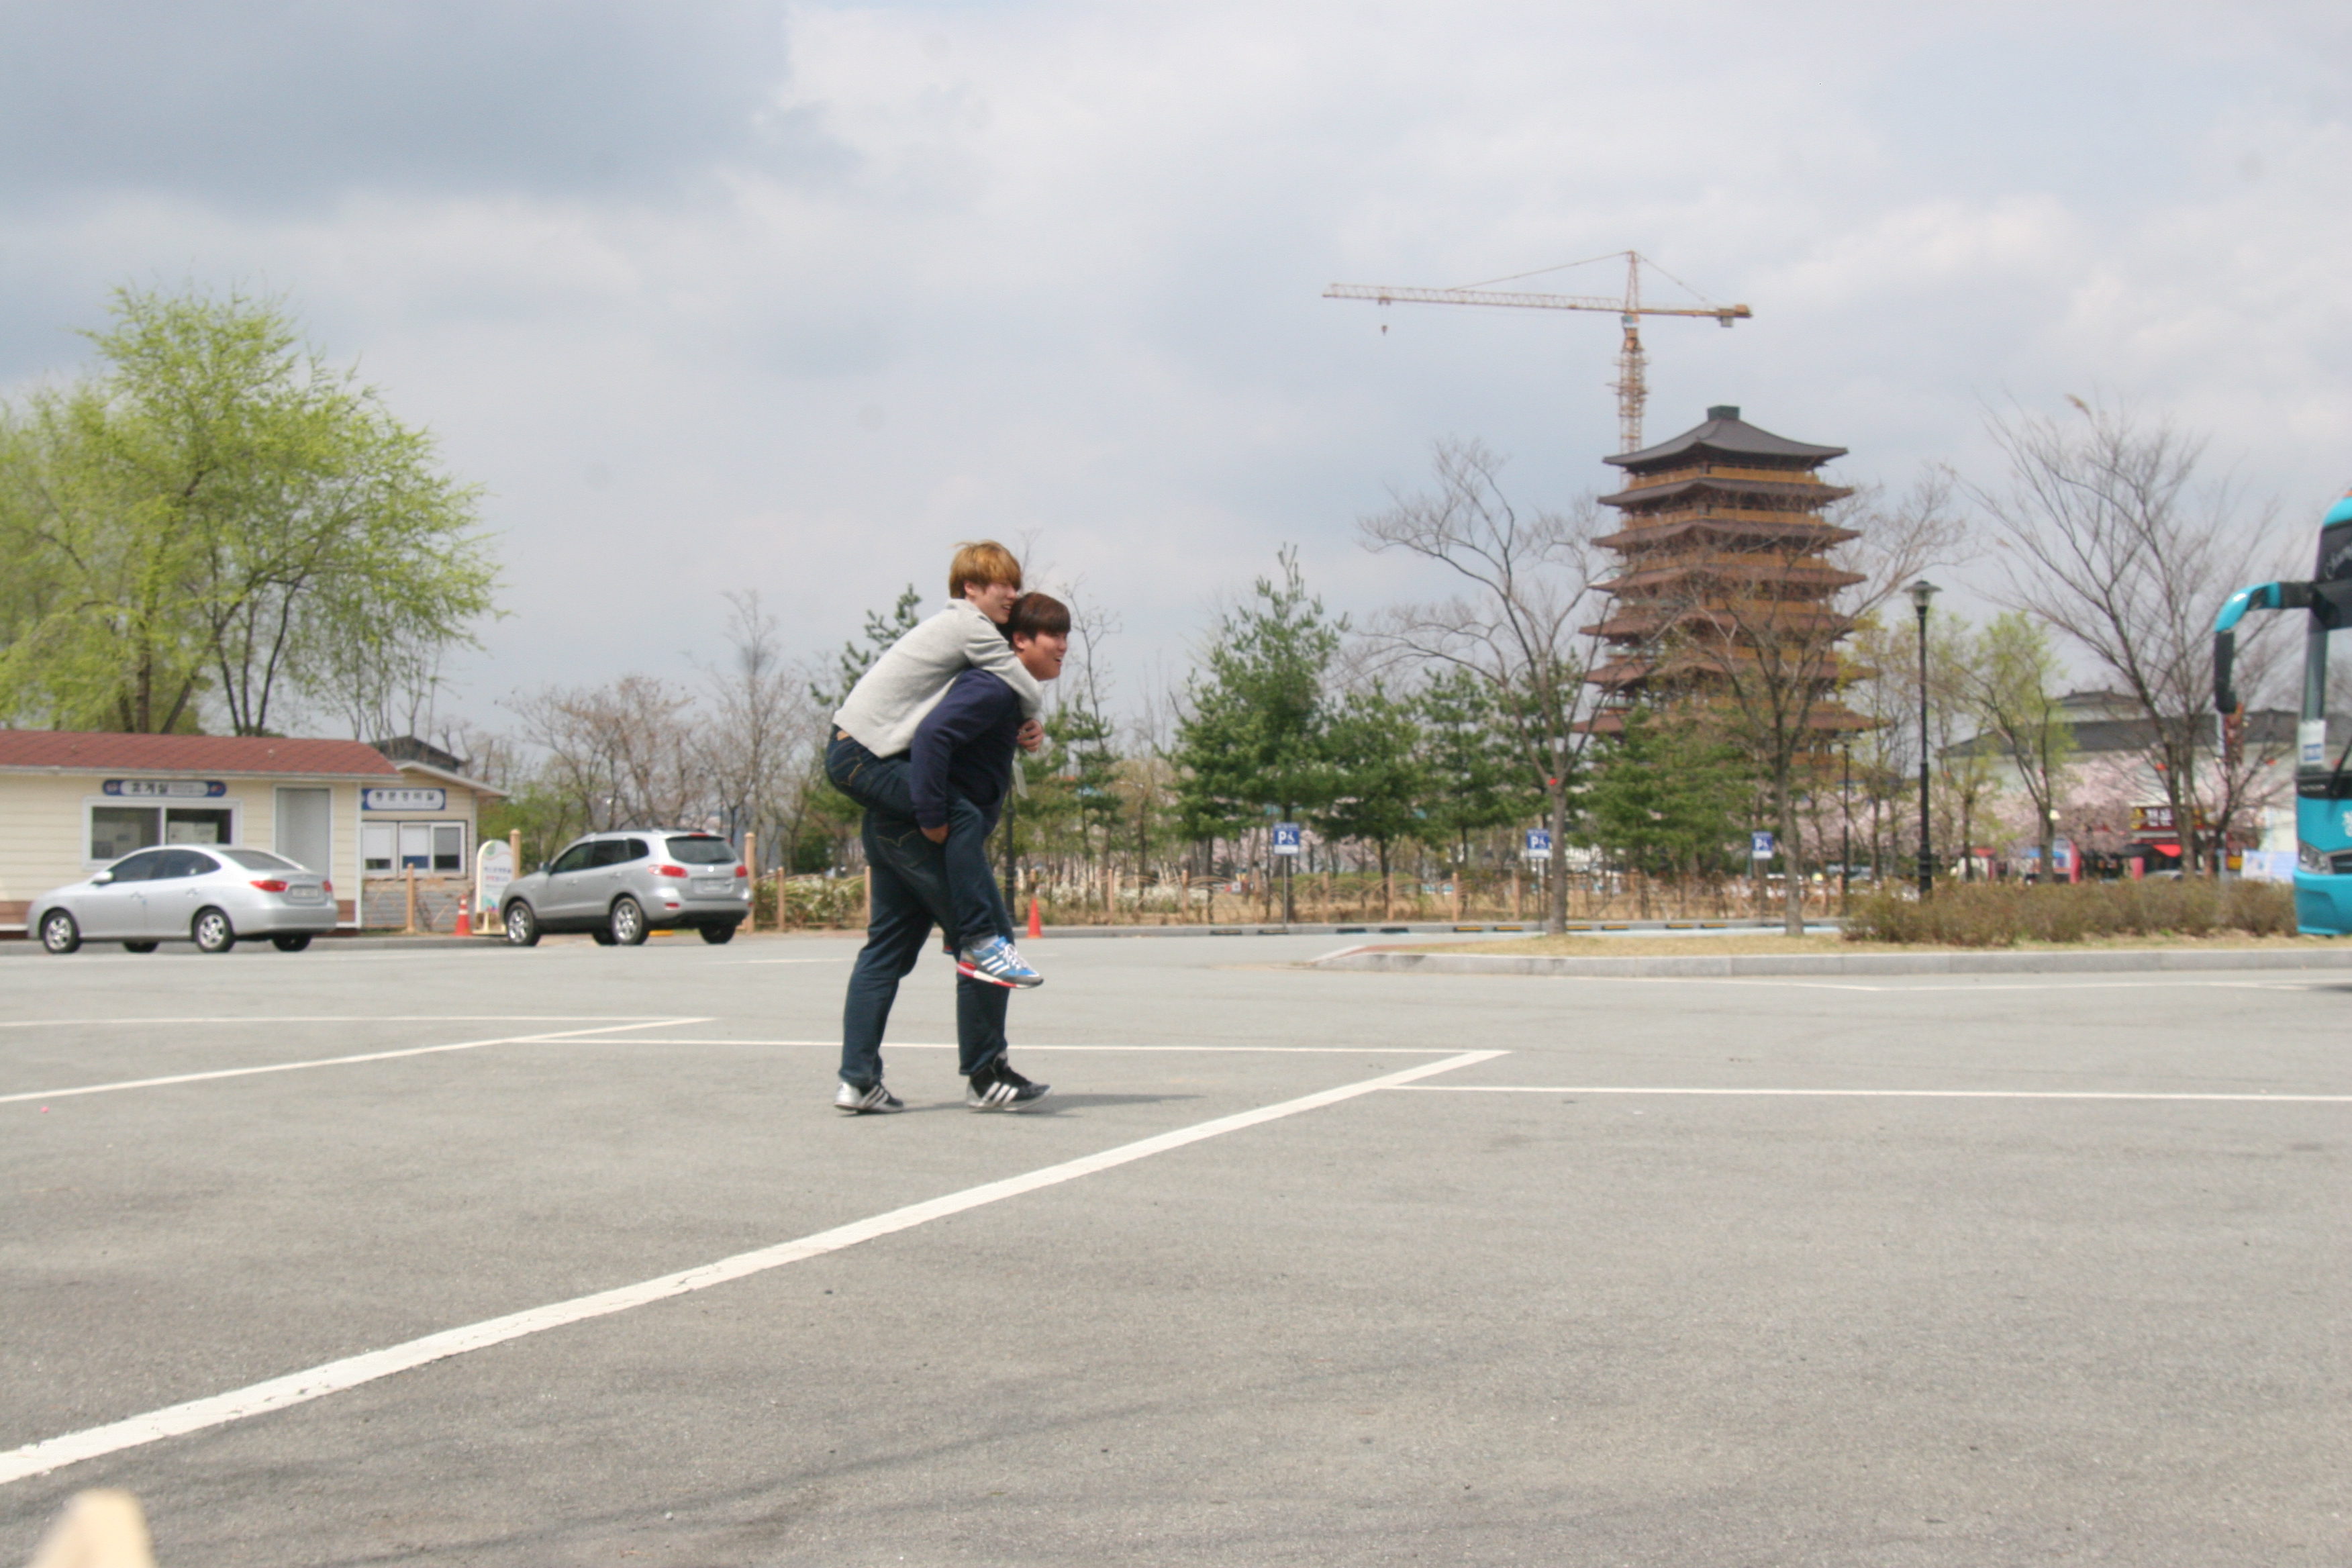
1760, 846
1539, 842
1285, 838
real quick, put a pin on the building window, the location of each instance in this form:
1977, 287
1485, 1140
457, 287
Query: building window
118, 830
387, 848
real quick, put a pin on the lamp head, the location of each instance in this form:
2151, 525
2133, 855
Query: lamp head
1921, 591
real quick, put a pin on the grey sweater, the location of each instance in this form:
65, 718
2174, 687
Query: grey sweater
891, 699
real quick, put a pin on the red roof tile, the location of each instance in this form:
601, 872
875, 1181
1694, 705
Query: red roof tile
76, 750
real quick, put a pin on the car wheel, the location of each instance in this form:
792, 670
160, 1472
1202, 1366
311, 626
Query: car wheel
212, 932
289, 943
59, 933
719, 936
628, 921
523, 926
139, 946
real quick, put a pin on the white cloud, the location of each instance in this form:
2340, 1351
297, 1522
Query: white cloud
1055, 266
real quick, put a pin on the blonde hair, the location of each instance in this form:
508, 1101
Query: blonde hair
986, 562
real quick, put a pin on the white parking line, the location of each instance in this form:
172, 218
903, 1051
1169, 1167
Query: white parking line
1879, 1093
2044, 983
1026, 1047
340, 1061
249, 1019
297, 1388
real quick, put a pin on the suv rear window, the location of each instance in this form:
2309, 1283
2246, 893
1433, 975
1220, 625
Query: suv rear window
701, 850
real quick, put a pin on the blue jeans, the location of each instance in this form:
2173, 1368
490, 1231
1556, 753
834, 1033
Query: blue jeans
882, 784
911, 896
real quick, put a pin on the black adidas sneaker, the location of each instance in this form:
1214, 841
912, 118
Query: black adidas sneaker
997, 1086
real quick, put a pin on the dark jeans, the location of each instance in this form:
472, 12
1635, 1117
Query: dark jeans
911, 895
881, 783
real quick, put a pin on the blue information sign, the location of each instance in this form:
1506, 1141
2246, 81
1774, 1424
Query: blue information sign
1538, 843
1760, 846
1285, 838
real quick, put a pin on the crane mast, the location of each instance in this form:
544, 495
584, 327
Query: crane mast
1632, 385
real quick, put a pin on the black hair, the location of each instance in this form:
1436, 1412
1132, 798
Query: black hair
1037, 614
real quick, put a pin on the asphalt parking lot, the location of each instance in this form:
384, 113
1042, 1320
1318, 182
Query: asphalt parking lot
561, 1257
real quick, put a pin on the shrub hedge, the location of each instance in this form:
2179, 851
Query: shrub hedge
2002, 914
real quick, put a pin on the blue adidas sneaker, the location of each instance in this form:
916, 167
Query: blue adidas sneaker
998, 962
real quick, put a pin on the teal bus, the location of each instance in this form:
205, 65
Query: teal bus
2322, 791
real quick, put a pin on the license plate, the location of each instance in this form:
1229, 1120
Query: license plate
300, 895
713, 884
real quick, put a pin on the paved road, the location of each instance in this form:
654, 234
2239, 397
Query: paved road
1249, 1291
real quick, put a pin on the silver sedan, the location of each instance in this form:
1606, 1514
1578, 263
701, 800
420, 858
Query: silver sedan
210, 896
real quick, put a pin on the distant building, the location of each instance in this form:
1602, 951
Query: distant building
426, 829
1724, 559
2114, 749
72, 803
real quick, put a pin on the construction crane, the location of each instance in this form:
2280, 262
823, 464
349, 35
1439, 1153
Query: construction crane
1631, 385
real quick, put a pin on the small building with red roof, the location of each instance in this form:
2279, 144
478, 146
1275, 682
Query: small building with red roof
72, 801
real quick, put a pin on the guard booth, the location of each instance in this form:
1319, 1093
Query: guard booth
74, 802
420, 831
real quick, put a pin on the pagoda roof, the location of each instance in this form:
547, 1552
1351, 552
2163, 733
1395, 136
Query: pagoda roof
1640, 622
1821, 535
1716, 662
1807, 573
1727, 433
1793, 489
1823, 717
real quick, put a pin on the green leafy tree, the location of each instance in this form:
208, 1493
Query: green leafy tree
2011, 692
1255, 735
1969, 776
221, 514
1475, 761
1666, 795
1375, 750
1084, 741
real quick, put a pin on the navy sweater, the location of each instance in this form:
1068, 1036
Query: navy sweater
965, 745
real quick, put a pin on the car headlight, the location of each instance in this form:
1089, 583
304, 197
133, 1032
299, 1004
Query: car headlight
2308, 858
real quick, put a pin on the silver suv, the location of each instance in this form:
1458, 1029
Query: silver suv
617, 887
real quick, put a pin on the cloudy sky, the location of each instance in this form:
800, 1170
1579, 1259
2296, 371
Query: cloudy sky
793, 297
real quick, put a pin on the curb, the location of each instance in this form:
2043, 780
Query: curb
2150, 960
1437, 928
325, 942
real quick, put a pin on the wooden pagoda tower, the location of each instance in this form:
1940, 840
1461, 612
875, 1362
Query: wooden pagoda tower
1723, 556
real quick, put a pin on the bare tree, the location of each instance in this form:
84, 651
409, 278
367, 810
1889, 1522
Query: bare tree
2117, 541
618, 755
1524, 581
764, 728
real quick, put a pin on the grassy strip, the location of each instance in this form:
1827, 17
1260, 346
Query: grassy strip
1693, 947
2005, 914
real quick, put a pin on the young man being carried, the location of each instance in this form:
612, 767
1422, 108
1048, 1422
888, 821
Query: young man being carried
867, 760
963, 750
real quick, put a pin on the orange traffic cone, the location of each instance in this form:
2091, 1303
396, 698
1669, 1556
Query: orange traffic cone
1036, 926
465, 914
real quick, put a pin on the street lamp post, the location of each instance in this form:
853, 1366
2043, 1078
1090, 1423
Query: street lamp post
1845, 825
1921, 591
